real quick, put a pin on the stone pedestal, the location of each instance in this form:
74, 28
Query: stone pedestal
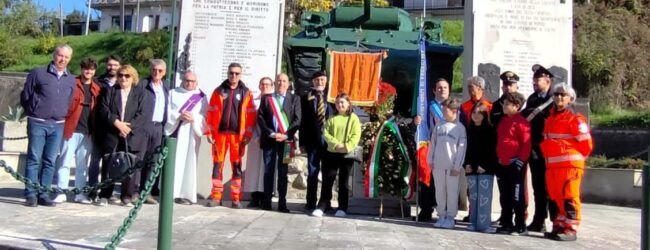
13, 130
359, 204
14, 160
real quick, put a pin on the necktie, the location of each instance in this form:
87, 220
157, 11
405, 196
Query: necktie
321, 110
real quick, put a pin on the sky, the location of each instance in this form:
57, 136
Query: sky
68, 6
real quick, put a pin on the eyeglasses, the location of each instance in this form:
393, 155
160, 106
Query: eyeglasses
127, 76
234, 73
560, 94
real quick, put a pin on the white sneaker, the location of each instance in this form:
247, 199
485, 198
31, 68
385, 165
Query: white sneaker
81, 198
441, 221
340, 213
60, 198
317, 213
449, 223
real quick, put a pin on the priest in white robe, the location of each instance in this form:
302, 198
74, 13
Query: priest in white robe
186, 122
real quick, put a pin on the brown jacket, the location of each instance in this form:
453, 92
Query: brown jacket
74, 110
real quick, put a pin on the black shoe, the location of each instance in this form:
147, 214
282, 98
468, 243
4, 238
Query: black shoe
537, 227
182, 201
520, 231
46, 202
565, 236
236, 205
253, 204
284, 210
212, 203
466, 219
31, 202
505, 230
425, 216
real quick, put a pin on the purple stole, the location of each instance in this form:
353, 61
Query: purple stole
188, 106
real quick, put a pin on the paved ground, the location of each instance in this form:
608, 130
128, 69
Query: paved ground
76, 226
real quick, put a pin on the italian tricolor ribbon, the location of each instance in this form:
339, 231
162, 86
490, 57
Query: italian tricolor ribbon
372, 172
280, 115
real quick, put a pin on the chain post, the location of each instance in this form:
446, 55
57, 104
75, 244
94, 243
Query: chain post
645, 216
133, 213
166, 207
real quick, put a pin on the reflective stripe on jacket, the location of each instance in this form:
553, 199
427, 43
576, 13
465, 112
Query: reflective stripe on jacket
567, 139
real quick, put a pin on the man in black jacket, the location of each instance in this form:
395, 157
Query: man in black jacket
315, 111
157, 90
279, 119
536, 111
106, 81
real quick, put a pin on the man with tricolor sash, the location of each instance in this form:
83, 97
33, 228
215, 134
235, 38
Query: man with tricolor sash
230, 120
279, 119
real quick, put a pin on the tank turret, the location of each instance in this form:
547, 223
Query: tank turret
367, 28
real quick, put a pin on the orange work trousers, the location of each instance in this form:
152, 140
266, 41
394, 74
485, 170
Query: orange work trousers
563, 185
223, 142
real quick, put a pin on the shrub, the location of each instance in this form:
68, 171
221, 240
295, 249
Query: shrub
46, 44
12, 50
600, 161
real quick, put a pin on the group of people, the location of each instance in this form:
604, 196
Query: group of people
76, 120
503, 139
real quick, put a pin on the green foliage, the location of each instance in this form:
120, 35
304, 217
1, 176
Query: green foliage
136, 49
75, 16
600, 161
12, 49
46, 44
621, 119
21, 19
612, 59
15, 115
452, 33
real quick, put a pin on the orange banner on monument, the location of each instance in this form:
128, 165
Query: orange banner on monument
356, 74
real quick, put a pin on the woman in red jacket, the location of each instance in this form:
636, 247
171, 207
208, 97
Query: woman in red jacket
567, 143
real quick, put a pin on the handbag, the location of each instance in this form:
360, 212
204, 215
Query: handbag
356, 153
119, 162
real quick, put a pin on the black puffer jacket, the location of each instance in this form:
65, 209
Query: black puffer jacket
481, 148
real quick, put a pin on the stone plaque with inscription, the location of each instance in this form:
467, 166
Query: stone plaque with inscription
516, 34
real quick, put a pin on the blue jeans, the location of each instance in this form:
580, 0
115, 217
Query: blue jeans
76, 150
314, 161
480, 200
43, 147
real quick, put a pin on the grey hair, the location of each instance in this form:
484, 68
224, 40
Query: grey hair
156, 62
186, 72
62, 46
477, 81
565, 88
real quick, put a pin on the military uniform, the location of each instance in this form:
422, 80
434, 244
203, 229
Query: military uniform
536, 111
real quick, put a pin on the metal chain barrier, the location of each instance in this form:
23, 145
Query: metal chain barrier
133, 213
12, 138
84, 190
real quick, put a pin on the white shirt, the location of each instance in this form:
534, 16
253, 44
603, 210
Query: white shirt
159, 103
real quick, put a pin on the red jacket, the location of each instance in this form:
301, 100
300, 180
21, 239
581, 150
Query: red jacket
247, 114
469, 105
74, 110
513, 139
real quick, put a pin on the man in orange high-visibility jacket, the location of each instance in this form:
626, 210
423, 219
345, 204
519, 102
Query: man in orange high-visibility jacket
567, 143
230, 120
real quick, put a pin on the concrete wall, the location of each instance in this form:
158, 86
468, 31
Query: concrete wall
11, 84
612, 186
616, 143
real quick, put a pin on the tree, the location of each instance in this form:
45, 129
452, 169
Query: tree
21, 18
326, 5
75, 16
